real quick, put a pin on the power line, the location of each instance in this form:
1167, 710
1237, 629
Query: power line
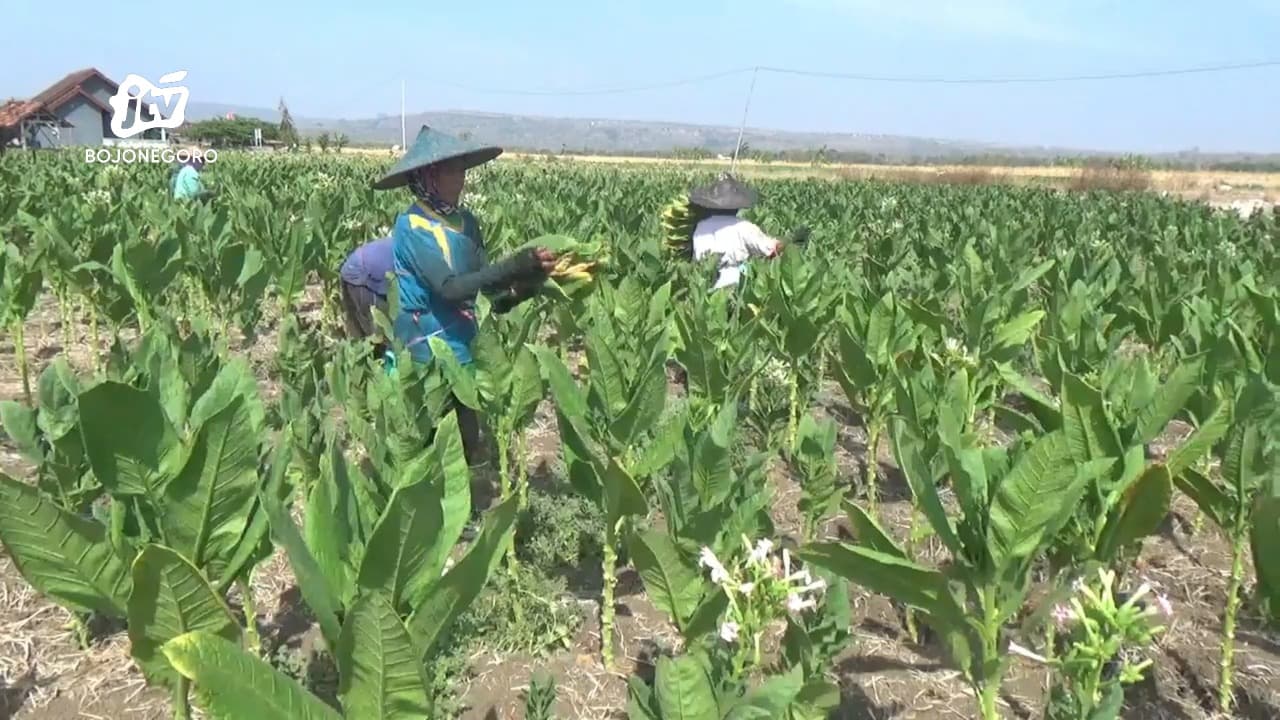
1027, 79
607, 91
862, 77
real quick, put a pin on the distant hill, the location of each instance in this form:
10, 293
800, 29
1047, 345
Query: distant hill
550, 134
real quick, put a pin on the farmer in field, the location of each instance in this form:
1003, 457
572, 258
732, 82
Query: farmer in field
364, 287
186, 183
719, 230
440, 261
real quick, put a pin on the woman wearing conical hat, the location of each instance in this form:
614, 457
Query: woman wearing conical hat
720, 231
439, 257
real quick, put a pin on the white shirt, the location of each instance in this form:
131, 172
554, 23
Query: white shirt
735, 240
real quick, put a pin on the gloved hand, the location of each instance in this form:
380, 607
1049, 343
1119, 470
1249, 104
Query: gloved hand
800, 235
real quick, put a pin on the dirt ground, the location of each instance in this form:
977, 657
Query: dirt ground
45, 674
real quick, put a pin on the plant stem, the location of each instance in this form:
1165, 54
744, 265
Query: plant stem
910, 547
506, 485
989, 679
873, 454
793, 407
522, 469
20, 353
181, 707
64, 310
250, 616
606, 600
1227, 662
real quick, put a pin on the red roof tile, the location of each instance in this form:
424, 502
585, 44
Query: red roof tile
61, 91
15, 111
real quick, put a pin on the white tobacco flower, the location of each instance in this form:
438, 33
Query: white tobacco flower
760, 553
784, 571
797, 602
816, 585
1166, 607
709, 560
746, 588
98, 197
729, 631
448, 565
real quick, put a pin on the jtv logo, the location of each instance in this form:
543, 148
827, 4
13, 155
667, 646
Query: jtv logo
135, 90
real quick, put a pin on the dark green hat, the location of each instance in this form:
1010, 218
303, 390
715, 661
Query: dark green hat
725, 193
431, 147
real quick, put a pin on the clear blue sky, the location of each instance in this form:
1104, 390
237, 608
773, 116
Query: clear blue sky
346, 59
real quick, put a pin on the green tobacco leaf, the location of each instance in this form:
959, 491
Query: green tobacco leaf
455, 501
208, 504
62, 555
906, 448
684, 691
460, 586
1017, 331
644, 407
671, 581
896, 577
1142, 509
1264, 539
856, 371
330, 523
255, 545
231, 684
462, 382
235, 381
19, 423
493, 368
712, 466
396, 559
131, 446
771, 698
170, 598
1112, 703
608, 386
526, 388
706, 618
817, 700
381, 674
665, 446
1201, 441
641, 702
1089, 432
1043, 486
1211, 500
869, 533
1168, 402
622, 496
880, 330
320, 596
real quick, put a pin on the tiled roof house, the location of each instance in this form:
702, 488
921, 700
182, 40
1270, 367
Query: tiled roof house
72, 111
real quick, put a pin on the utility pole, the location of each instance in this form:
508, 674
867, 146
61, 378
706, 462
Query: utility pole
745, 109
403, 137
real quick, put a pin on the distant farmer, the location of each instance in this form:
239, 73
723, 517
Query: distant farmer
440, 261
186, 183
364, 287
707, 224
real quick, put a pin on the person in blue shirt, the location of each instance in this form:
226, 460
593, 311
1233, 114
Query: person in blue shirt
186, 183
439, 258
